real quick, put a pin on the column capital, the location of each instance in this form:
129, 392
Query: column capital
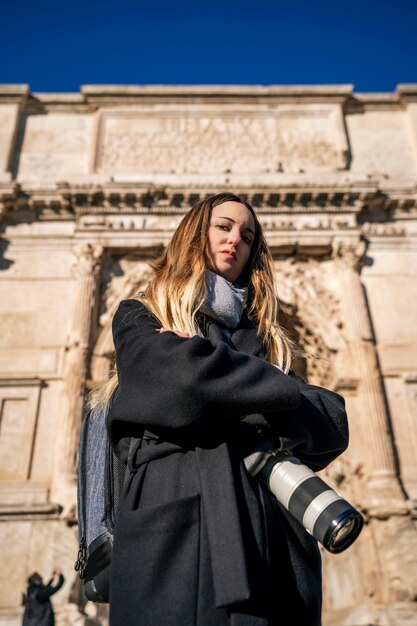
350, 254
87, 259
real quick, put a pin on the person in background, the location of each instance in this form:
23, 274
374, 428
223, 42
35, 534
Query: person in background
38, 607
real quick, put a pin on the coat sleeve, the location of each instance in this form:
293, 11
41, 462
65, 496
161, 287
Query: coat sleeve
317, 431
169, 382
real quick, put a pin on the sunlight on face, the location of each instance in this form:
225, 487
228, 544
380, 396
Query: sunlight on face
230, 239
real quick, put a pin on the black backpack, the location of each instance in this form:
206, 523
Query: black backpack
101, 476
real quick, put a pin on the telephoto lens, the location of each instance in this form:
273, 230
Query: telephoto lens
322, 511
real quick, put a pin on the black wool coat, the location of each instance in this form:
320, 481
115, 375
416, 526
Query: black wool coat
198, 541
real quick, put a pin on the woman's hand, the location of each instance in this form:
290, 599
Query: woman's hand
170, 330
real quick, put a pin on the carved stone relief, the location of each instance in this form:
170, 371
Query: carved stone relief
307, 292
122, 277
290, 140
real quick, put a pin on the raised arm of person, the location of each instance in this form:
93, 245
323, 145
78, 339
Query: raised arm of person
44, 594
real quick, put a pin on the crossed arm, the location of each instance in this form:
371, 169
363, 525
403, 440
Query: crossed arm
171, 381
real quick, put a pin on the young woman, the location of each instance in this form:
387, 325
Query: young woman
204, 370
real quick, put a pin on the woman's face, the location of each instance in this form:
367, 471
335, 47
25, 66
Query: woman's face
230, 238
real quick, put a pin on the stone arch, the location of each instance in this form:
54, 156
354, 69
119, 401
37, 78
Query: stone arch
308, 291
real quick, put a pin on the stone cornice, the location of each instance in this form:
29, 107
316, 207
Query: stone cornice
10, 94
92, 97
209, 90
407, 92
67, 201
9, 192
132, 94
399, 99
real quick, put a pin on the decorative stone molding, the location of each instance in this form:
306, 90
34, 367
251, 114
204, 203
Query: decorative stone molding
65, 201
93, 96
383, 230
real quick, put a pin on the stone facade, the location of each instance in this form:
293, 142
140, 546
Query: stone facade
92, 184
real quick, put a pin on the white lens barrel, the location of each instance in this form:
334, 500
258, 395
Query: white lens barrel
316, 508
320, 509
286, 476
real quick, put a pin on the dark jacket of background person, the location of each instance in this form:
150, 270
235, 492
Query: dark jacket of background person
198, 541
38, 607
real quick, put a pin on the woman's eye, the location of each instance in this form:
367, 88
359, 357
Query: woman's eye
222, 227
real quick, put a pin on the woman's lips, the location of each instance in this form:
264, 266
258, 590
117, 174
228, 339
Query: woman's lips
229, 254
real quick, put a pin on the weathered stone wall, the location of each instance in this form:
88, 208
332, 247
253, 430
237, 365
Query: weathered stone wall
92, 183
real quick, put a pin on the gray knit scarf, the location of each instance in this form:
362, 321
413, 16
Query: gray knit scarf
225, 301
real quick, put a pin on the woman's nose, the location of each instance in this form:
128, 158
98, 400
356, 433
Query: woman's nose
234, 238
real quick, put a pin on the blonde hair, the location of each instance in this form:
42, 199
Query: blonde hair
178, 290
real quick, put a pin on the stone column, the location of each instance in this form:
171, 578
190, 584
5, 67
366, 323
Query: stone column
387, 548
87, 269
383, 479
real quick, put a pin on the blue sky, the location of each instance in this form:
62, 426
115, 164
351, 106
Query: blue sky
59, 45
